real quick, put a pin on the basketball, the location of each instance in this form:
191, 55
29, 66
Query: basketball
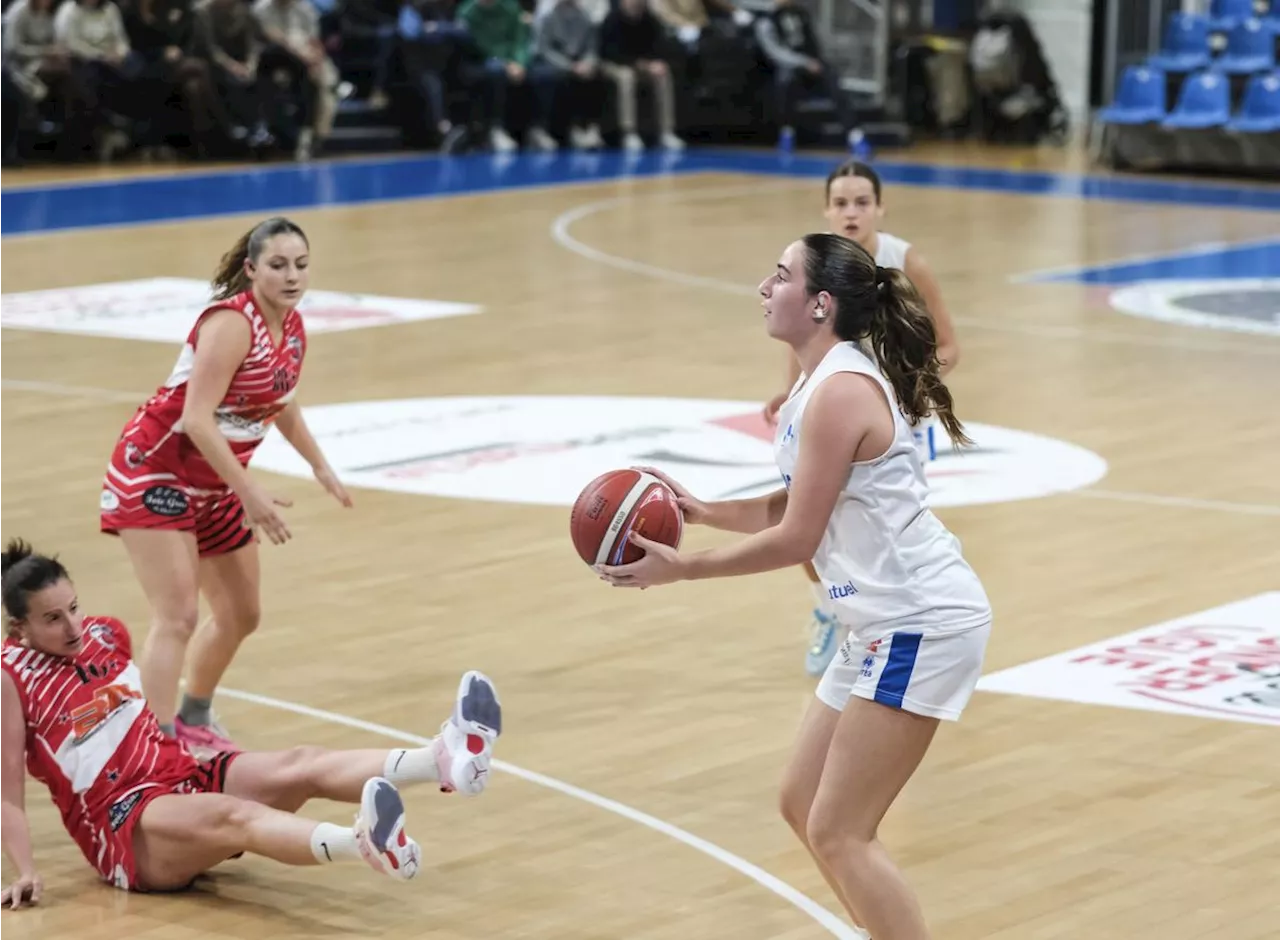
614, 505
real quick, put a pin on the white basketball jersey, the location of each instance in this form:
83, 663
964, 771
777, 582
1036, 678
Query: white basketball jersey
891, 251
888, 564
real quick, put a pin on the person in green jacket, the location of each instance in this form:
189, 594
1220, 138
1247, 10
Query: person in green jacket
501, 36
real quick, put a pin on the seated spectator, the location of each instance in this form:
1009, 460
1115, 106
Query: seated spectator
227, 35
162, 33
291, 29
788, 40
596, 10
104, 68
428, 41
631, 49
41, 70
12, 109
375, 22
567, 72
501, 37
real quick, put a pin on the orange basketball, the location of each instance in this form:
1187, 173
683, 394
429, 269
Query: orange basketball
614, 505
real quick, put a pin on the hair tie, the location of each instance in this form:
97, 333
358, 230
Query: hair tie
882, 277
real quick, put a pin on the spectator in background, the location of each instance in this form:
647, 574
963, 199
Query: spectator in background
596, 10
227, 35
428, 41
291, 29
501, 36
567, 71
788, 40
11, 112
373, 21
103, 66
32, 56
162, 33
631, 40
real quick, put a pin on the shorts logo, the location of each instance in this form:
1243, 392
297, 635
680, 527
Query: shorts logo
108, 501
165, 501
121, 809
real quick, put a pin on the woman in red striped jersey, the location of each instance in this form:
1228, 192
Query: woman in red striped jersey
145, 813
177, 489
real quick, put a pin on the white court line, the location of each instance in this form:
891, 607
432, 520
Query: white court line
560, 234
72, 391
830, 922
1182, 502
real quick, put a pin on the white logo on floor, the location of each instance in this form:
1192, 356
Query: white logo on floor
163, 309
543, 450
1220, 663
1240, 305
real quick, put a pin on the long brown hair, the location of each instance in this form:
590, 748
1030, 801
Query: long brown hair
230, 278
882, 306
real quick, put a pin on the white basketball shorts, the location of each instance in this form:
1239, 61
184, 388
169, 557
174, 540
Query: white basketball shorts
927, 675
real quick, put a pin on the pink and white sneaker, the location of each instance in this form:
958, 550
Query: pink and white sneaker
210, 737
380, 834
464, 746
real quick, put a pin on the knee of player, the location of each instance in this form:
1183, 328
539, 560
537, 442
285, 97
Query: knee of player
836, 834
248, 615
181, 621
795, 807
231, 818
298, 764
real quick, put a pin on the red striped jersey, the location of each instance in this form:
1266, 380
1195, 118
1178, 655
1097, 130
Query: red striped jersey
262, 386
91, 739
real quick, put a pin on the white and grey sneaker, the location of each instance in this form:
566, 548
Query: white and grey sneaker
380, 832
464, 746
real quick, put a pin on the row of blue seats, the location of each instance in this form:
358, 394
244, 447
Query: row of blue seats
1250, 46
1204, 102
1224, 14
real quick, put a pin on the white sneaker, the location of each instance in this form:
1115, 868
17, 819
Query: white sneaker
501, 141
633, 142
380, 834
539, 139
464, 746
671, 142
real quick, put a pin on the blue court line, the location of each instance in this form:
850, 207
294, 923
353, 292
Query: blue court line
140, 200
1260, 259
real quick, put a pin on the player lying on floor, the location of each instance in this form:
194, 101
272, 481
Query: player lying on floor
147, 814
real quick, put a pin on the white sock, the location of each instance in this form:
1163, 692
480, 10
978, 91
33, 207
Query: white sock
330, 843
411, 765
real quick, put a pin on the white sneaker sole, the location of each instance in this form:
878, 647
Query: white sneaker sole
380, 831
465, 745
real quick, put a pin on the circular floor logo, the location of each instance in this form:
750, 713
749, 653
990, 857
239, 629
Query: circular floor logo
543, 450
1244, 306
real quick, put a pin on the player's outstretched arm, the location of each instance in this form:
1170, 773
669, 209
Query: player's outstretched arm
293, 426
26, 888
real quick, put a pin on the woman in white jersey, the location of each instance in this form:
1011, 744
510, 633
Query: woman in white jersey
854, 501
854, 209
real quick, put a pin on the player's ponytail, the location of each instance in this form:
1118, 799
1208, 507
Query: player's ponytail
23, 571
902, 335
231, 278
882, 306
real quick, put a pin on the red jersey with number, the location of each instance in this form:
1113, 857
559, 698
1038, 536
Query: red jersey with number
262, 386
91, 739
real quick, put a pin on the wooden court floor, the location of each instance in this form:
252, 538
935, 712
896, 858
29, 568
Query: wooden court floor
1031, 819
